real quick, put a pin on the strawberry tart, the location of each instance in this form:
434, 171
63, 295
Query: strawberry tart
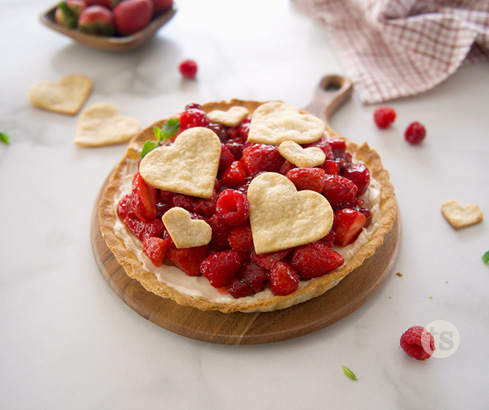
244, 206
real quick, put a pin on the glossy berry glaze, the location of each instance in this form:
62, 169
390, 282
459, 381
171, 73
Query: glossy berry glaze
229, 261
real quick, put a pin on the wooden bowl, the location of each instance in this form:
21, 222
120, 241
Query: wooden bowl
115, 43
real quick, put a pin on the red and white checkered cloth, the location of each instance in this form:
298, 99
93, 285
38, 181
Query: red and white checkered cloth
396, 48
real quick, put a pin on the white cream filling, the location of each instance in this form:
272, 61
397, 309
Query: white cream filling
199, 286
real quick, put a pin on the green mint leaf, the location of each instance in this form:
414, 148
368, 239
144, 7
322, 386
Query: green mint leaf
485, 258
349, 373
169, 129
149, 146
4, 138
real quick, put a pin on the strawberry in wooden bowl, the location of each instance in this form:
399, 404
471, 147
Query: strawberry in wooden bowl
244, 206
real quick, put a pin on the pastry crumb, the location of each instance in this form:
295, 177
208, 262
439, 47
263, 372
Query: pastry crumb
399, 274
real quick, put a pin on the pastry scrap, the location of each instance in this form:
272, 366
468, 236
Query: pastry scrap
103, 124
66, 96
280, 234
460, 216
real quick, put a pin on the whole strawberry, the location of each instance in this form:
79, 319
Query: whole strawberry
110, 4
160, 6
68, 12
131, 16
97, 20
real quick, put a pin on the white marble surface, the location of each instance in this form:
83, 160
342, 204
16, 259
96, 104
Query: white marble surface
68, 342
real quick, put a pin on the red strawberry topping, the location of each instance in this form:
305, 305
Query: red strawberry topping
347, 225
144, 198
142, 229
315, 259
267, 260
284, 279
360, 175
307, 178
234, 175
188, 259
239, 289
155, 249
240, 239
253, 275
339, 191
260, 157
221, 267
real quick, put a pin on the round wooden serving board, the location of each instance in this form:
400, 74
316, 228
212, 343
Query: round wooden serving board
257, 328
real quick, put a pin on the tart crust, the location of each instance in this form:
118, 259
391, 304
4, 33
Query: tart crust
316, 287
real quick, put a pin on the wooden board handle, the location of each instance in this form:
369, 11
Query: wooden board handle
332, 91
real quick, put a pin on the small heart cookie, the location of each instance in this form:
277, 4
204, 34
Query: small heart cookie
103, 124
184, 231
230, 118
66, 96
301, 157
275, 122
189, 166
282, 217
460, 216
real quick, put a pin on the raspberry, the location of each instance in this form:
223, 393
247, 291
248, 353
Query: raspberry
384, 116
124, 208
184, 201
232, 207
339, 191
193, 118
188, 68
307, 178
220, 232
220, 268
155, 249
315, 259
206, 207
260, 157
284, 279
360, 175
415, 342
415, 133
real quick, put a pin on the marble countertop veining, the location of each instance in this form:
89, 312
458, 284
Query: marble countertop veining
68, 342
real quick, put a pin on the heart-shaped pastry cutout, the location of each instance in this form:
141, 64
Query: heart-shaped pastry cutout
184, 231
66, 96
230, 118
282, 217
275, 122
460, 216
103, 124
189, 166
301, 157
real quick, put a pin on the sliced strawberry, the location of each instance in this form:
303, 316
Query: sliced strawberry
286, 167
324, 144
234, 175
348, 224
143, 229
330, 167
307, 178
261, 157
155, 249
253, 275
315, 259
188, 259
144, 198
221, 267
284, 279
125, 207
266, 260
